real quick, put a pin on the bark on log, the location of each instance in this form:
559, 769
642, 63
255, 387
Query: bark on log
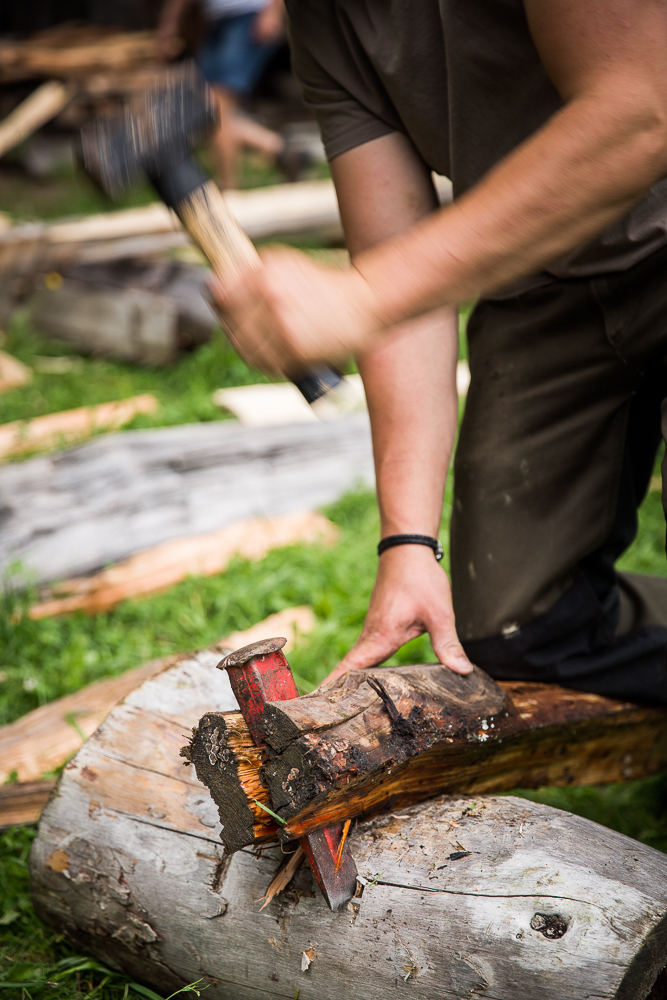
496, 897
79, 510
345, 751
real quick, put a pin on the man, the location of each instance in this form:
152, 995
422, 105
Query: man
551, 120
241, 36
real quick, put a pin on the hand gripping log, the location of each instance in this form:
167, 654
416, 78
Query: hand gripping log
154, 136
260, 673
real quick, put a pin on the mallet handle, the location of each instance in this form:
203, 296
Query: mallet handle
205, 215
208, 220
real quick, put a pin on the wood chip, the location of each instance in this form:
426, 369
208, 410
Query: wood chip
283, 877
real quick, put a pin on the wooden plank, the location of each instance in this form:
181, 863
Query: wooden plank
56, 56
23, 436
263, 213
77, 511
37, 109
322, 771
200, 555
23, 803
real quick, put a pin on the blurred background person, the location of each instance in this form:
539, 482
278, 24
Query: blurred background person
240, 38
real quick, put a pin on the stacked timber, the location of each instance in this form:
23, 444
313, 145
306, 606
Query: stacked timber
76, 511
456, 897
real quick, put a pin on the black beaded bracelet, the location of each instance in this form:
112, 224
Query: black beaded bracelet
391, 540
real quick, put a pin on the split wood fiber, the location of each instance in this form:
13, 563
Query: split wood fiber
77, 511
534, 902
345, 750
46, 738
58, 429
202, 555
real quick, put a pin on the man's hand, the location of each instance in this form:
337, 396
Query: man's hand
269, 23
293, 313
169, 42
411, 596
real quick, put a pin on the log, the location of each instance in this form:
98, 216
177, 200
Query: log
155, 569
498, 897
137, 311
346, 749
56, 429
46, 738
263, 213
42, 105
77, 511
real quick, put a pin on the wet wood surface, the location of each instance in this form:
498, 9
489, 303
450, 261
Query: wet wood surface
496, 897
347, 750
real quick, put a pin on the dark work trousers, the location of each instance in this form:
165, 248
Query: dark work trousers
557, 446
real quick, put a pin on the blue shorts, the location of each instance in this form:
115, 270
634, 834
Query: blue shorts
230, 57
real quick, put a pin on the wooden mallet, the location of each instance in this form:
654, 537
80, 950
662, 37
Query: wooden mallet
154, 136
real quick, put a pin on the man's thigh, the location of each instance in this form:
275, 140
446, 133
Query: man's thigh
540, 455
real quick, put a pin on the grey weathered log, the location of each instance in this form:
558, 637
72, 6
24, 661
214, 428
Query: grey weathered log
496, 897
132, 310
79, 510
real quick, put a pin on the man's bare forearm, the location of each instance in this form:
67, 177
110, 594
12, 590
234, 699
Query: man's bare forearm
584, 169
411, 392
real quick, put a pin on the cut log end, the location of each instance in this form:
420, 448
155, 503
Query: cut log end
229, 763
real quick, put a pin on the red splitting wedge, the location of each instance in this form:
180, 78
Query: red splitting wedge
260, 673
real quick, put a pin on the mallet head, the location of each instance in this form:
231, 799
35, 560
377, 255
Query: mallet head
153, 135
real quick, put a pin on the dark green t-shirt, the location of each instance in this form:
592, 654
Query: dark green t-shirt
463, 80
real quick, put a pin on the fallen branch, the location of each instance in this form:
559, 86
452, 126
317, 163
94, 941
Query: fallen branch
348, 750
58, 429
202, 555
